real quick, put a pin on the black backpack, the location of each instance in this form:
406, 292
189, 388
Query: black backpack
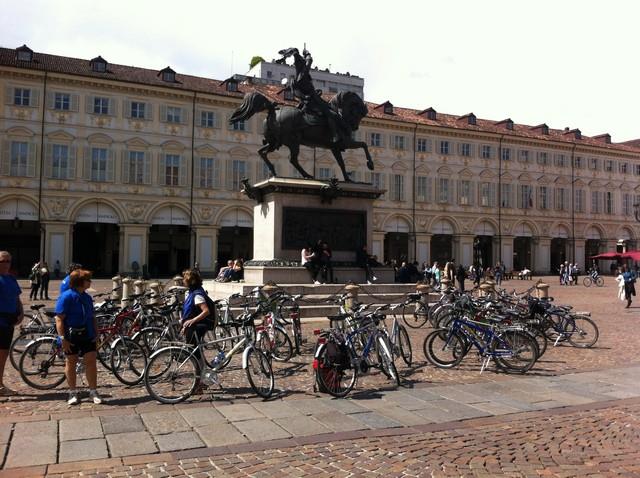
338, 355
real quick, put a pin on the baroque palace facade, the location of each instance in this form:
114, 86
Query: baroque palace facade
118, 167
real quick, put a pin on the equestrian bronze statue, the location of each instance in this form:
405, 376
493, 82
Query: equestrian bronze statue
314, 123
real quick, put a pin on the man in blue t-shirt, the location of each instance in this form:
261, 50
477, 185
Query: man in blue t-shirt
64, 285
11, 314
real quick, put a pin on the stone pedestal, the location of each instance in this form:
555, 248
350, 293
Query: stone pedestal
290, 213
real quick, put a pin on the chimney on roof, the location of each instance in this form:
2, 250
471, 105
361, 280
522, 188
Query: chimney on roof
566, 129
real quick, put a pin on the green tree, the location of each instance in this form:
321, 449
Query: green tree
255, 60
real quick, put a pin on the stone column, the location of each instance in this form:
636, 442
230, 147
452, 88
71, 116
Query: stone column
495, 249
423, 247
541, 254
57, 238
134, 246
465, 254
580, 245
206, 244
456, 247
507, 251
377, 246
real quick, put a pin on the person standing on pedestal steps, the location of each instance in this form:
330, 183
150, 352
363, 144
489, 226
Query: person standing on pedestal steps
324, 256
308, 261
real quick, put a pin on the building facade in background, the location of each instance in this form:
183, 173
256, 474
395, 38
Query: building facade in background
120, 167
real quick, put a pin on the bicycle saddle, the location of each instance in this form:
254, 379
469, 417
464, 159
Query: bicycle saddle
37, 306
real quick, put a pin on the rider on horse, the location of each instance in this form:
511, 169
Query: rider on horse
311, 101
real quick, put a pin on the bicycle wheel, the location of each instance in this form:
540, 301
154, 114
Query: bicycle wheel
128, 361
335, 379
20, 343
387, 365
599, 281
405, 345
259, 373
42, 364
515, 351
582, 331
444, 348
171, 375
415, 315
150, 339
104, 351
540, 339
587, 281
282, 349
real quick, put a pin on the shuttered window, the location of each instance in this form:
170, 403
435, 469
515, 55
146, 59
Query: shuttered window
136, 167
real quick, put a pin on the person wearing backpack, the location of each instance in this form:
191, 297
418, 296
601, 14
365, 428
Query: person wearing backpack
198, 313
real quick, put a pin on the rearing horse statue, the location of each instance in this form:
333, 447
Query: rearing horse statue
291, 127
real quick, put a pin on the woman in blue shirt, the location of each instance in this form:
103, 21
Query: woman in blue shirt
77, 327
11, 314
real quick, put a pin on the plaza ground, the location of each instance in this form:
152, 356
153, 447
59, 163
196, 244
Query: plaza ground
575, 414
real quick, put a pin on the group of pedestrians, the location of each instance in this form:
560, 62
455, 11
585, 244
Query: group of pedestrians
232, 272
317, 260
39, 277
569, 273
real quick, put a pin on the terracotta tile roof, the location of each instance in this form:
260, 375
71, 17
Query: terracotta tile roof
115, 72
132, 74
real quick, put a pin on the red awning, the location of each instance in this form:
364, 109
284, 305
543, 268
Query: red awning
616, 256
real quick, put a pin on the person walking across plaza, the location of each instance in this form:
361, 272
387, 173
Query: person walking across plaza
620, 281
34, 278
45, 277
460, 277
77, 326
11, 314
629, 284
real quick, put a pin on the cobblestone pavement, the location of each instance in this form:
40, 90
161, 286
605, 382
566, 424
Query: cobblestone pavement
587, 433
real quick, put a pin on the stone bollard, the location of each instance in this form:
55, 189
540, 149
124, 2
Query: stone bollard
486, 289
116, 283
542, 290
126, 291
138, 287
177, 280
154, 287
352, 295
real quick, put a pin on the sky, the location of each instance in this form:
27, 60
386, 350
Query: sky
562, 62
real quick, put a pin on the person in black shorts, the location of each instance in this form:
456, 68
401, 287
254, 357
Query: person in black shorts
77, 328
11, 314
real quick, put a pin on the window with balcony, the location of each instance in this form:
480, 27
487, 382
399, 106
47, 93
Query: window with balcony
172, 170
423, 189
100, 167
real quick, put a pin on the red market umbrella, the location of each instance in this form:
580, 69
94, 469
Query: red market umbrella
608, 256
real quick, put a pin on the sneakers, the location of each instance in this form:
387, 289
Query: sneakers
95, 396
73, 399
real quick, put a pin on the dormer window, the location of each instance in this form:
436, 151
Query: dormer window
542, 128
388, 108
603, 138
576, 133
508, 123
168, 75
232, 86
24, 53
98, 64
429, 113
469, 118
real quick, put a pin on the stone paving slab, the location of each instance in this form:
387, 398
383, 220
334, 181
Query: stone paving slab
33, 443
80, 429
276, 410
310, 406
240, 412
159, 423
406, 401
339, 422
179, 441
302, 426
121, 424
496, 408
134, 443
201, 416
342, 405
80, 450
376, 420
5, 433
261, 429
220, 434
402, 415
